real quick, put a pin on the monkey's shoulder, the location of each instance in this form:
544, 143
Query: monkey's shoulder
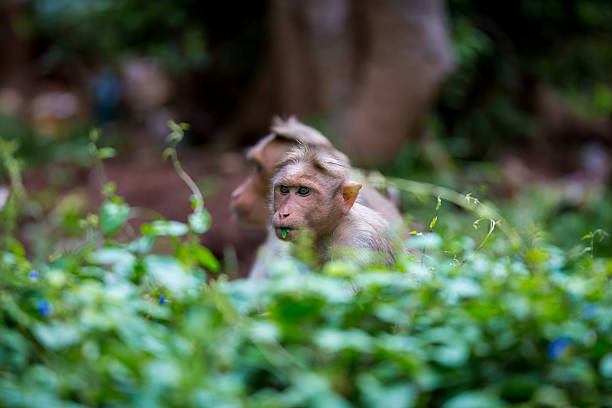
363, 228
372, 199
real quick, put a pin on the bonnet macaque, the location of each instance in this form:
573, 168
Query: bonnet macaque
312, 192
250, 200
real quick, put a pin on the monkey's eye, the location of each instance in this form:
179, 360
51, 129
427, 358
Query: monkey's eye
303, 191
283, 189
258, 167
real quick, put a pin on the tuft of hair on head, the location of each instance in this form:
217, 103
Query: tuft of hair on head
330, 162
294, 130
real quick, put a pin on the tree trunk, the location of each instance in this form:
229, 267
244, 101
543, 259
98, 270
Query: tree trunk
372, 68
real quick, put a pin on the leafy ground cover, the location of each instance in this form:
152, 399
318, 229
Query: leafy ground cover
483, 311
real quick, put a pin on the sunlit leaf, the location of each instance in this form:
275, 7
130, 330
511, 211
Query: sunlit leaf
121, 260
433, 222
205, 258
112, 217
428, 240
106, 152
94, 134
605, 366
160, 228
56, 335
200, 221
378, 395
168, 272
473, 400
109, 189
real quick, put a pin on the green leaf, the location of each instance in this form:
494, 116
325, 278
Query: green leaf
452, 355
200, 221
168, 151
106, 152
550, 396
461, 287
445, 346
161, 228
377, 395
142, 245
429, 240
264, 332
56, 335
472, 400
176, 134
205, 258
109, 189
336, 340
121, 260
340, 267
433, 222
163, 373
168, 272
112, 217
605, 366
196, 201
94, 134
19, 349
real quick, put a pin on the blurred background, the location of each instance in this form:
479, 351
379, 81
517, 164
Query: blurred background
508, 101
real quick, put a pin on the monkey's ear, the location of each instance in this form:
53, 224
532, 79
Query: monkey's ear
350, 191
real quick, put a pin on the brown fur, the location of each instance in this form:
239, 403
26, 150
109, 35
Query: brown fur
250, 200
328, 209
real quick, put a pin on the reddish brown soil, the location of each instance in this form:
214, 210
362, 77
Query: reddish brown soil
151, 183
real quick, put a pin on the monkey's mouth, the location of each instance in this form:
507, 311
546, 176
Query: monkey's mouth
284, 232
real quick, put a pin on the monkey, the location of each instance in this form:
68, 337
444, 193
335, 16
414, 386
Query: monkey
250, 200
312, 192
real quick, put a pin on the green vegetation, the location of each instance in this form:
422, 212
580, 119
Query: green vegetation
496, 304
166, 31
478, 315
505, 51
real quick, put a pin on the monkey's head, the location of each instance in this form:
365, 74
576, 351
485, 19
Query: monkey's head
250, 200
311, 192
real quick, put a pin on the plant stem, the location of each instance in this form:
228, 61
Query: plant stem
188, 180
463, 201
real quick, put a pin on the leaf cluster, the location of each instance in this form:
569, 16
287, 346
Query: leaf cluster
117, 321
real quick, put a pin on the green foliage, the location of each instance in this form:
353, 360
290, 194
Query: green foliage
463, 324
504, 50
35, 148
164, 30
112, 217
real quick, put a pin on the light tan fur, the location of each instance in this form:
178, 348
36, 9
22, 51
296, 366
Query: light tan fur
366, 230
340, 226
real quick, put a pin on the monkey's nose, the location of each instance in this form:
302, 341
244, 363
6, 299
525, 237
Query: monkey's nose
284, 215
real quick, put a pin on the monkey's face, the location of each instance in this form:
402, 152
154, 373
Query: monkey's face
250, 200
302, 200
249, 203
